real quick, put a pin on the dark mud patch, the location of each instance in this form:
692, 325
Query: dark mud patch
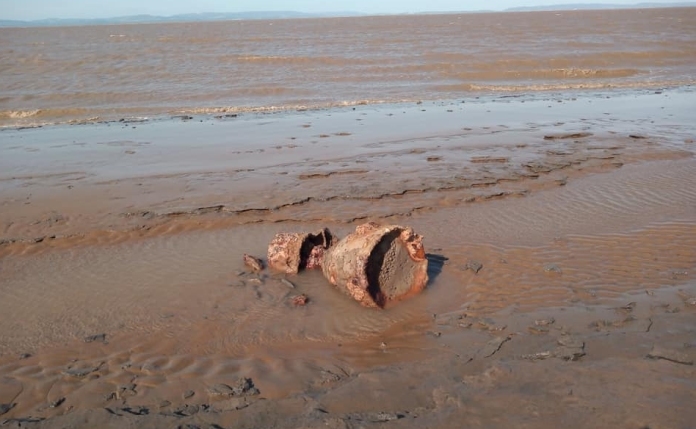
567, 136
489, 160
324, 175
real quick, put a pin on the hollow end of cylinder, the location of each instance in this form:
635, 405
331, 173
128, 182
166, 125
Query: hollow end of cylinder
313, 248
394, 269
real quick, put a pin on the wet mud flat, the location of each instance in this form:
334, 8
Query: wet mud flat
560, 234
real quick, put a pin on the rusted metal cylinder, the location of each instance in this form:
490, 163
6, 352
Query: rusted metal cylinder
292, 252
377, 265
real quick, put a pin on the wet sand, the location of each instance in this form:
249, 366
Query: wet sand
580, 210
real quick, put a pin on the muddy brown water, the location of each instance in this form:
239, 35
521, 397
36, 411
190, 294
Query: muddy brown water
93, 73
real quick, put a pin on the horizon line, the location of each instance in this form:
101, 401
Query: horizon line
294, 14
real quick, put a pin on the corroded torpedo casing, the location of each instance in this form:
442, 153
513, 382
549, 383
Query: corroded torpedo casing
377, 264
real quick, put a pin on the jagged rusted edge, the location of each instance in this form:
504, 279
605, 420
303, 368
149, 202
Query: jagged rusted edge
293, 252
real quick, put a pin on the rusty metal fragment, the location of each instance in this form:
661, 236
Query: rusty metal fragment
253, 262
293, 252
300, 300
377, 264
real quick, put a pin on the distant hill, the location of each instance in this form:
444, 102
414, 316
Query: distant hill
589, 6
189, 17
198, 17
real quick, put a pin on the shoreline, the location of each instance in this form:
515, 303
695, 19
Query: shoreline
467, 93
581, 213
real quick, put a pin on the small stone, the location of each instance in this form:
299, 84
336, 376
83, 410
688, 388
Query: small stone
384, 417
474, 266
552, 268
537, 356
186, 410
253, 262
244, 387
300, 300
24, 356
98, 337
188, 394
545, 322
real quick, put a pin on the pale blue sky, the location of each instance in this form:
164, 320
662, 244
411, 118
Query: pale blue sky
40, 9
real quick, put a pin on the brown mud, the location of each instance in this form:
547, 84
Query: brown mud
561, 265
